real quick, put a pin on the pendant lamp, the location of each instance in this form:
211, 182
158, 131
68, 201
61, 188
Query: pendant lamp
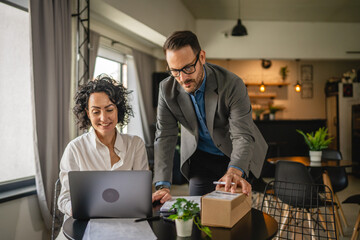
239, 30
262, 87
297, 86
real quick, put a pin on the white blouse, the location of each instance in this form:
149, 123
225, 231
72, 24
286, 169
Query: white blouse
87, 153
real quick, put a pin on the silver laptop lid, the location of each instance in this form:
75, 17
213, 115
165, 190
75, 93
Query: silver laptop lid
106, 194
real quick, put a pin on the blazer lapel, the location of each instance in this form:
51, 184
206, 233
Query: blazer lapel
187, 109
211, 99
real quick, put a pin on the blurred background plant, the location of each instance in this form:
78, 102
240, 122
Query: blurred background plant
275, 108
284, 71
258, 110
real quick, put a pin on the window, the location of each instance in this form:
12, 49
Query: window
113, 64
115, 69
16, 118
121, 67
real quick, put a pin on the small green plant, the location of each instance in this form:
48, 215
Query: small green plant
284, 71
258, 111
274, 108
317, 141
187, 210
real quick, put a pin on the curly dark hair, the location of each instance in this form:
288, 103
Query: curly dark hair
117, 93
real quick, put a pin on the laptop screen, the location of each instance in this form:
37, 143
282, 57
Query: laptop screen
110, 194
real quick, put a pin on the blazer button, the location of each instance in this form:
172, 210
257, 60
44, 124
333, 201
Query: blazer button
219, 145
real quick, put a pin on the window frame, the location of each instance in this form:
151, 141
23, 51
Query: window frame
18, 188
21, 187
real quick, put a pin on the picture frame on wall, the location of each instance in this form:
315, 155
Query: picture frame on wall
306, 73
307, 90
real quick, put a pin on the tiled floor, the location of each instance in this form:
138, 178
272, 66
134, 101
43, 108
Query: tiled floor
350, 210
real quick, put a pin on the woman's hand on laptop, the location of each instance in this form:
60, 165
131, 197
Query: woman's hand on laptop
161, 195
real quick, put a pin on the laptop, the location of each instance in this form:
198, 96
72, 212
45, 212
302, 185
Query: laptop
110, 194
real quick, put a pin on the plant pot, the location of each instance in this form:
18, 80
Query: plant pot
183, 228
272, 116
315, 156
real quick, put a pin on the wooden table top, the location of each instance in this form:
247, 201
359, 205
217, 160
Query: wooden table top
306, 161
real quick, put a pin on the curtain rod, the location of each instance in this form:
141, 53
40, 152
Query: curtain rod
115, 42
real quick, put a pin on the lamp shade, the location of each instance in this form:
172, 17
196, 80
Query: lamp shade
262, 87
297, 87
239, 29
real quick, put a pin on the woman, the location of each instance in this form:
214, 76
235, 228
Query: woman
101, 104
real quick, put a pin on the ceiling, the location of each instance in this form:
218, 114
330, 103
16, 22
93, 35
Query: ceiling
276, 10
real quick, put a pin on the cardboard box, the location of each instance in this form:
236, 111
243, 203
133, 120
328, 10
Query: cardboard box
224, 209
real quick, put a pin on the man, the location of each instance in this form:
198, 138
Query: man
219, 140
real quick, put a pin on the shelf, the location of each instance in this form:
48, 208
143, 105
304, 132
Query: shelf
280, 84
262, 95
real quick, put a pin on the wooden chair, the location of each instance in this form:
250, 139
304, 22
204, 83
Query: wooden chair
355, 199
294, 172
338, 181
302, 210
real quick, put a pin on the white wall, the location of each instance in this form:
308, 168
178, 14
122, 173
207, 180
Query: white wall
295, 106
280, 40
21, 219
154, 20
163, 16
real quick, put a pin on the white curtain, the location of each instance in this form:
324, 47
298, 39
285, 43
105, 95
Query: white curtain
51, 72
145, 66
134, 126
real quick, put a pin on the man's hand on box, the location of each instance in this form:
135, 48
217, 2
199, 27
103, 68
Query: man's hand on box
234, 175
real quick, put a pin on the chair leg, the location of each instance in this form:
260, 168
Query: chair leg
285, 220
327, 182
322, 220
338, 223
341, 210
310, 226
356, 228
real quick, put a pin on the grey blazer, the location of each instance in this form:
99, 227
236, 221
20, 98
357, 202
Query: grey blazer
228, 118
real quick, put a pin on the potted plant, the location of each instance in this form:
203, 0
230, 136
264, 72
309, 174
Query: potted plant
317, 142
284, 72
258, 110
273, 109
186, 213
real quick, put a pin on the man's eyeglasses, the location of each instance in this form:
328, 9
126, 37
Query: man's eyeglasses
189, 69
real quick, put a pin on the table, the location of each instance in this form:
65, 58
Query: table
306, 161
254, 225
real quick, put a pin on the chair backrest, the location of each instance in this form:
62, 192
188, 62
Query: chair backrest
331, 154
290, 171
294, 173
57, 215
337, 175
296, 219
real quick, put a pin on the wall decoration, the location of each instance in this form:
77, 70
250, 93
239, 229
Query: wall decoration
347, 90
306, 73
266, 63
307, 90
306, 81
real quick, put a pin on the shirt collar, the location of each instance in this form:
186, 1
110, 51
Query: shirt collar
119, 145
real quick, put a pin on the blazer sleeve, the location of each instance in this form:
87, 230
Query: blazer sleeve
165, 139
240, 125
